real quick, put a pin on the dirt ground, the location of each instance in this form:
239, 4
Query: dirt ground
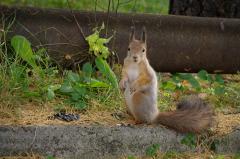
27, 115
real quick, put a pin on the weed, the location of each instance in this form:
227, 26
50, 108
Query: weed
50, 157
187, 81
29, 74
221, 93
37, 75
152, 150
101, 52
81, 87
189, 140
23, 48
131, 157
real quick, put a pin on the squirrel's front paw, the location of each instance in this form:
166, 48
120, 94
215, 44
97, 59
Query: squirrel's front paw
123, 84
133, 87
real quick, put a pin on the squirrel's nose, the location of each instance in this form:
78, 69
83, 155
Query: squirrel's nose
134, 57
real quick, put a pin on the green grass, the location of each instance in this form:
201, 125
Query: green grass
28, 75
133, 6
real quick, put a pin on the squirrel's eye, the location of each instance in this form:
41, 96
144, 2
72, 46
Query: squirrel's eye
143, 50
129, 49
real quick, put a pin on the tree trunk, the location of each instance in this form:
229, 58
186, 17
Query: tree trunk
206, 8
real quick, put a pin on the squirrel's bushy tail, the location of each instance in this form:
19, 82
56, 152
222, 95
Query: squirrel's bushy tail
192, 115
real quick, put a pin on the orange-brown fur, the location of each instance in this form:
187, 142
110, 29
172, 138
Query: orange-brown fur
140, 87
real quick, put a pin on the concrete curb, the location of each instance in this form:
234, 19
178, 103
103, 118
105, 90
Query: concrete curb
229, 143
95, 141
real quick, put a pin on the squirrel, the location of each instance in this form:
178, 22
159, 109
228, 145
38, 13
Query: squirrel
139, 85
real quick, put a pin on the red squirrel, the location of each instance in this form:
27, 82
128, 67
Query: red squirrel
140, 86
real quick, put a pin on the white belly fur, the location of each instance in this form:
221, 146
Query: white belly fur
133, 72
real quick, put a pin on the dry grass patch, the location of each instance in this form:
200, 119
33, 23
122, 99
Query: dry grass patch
33, 114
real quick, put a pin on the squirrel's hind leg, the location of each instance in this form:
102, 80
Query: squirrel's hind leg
142, 108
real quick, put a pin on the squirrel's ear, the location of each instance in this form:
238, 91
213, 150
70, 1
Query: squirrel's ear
132, 34
144, 35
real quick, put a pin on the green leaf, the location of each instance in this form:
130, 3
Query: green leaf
219, 79
87, 69
66, 87
210, 79
104, 52
219, 90
105, 69
78, 93
50, 94
175, 78
81, 105
183, 76
203, 75
23, 48
189, 140
50, 157
51, 89
94, 83
92, 38
191, 79
99, 84
97, 44
40, 56
219, 157
75, 96
80, 90
152, 150
131, 157
195, 84
55, 87
168, 85
73, 77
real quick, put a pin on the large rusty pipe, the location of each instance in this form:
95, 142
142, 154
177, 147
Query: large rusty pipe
175, 43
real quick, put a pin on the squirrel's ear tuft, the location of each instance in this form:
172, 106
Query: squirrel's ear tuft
144, 35
132, 34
